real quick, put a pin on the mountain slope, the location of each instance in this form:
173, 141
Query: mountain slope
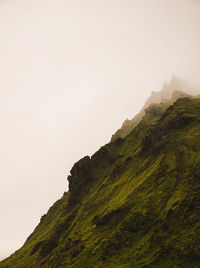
134, 203
170, 92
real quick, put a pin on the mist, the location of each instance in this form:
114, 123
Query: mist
71, 73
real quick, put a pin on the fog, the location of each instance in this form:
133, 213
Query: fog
71, 71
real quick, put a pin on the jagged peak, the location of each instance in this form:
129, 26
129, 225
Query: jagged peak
171, 91
175, 84
178, 84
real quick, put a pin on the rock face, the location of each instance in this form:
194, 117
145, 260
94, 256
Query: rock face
79, 178
82, 175
134, 203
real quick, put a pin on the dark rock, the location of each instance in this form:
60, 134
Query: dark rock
80, 176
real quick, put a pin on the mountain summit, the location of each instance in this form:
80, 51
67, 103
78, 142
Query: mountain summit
170, 92
135, 202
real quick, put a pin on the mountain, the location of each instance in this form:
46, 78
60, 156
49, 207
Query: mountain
170, 92
134, 203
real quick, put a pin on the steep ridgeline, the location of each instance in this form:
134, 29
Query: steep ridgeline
170, 92
134, 203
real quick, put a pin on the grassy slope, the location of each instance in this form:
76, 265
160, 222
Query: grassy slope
140, 206
155, 98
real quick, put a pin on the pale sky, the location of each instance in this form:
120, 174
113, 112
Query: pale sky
71, 71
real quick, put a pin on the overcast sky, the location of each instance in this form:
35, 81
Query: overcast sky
71, 71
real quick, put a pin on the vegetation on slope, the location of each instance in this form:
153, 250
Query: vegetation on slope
134, 203
170, 92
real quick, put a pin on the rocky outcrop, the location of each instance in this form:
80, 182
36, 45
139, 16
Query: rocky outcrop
79, 178
82, 173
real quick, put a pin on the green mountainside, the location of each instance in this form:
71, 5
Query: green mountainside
170, 92
134, 203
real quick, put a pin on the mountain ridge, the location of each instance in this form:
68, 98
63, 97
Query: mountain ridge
134, 203
165, 95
